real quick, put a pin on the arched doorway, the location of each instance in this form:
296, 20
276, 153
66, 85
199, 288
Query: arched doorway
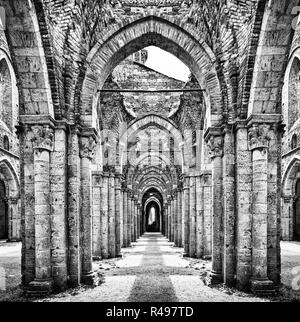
297, 212
3, 212
153, 218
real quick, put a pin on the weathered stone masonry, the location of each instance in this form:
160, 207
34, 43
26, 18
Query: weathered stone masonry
91, 163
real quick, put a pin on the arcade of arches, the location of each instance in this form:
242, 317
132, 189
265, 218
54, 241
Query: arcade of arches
87, 167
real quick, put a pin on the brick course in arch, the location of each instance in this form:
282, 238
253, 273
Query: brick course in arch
135, 36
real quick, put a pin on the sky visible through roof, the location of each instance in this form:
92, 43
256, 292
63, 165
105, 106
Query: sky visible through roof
167, 64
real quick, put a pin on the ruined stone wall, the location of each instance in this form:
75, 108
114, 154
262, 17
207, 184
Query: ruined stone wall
137, 76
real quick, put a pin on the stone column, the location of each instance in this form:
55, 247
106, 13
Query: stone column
166, 220
186, 210
96, 222
129, 216
192, 218
175, 218
132, 218
259, 137
119, 215
199, 218
172, 218
58, 184
87, 150
42, 144
74, 174
169, 219
104, 216
179, 216
27, 204
207, 215
139, 220
135, 221
287, 218
111, 217
243, 207
229, 265
125, 218
215, 142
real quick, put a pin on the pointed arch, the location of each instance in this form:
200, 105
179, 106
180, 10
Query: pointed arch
150, 30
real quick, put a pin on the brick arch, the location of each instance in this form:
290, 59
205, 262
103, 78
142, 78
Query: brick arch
151, 186
140, 124
138, 177
271, 56
29, 58
13, 107
154, 178
289, 178
152, 199
10, 179
108, 53
294, 59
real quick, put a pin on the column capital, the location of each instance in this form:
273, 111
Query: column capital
42, 137
259, 136
215, 141
87, 146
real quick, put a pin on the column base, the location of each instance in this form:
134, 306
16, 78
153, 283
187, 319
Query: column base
91, 279
213, 278
262, 287
119, 255
39, 288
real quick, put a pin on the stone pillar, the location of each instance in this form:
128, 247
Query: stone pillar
42, 144
287, 218
96, 215
192, 217
27, 204
135, 221
169, 219
259, 137
139, 220
207, 215
186, 209
119, 215
166, 220
172, 218
58, 184
243, 208
215, 142
125, 218
87, 150
132, 219
274, 200
111, 217
129, 216
179, 212
74, 175
229, 265
104, 216
199, 218
175, 218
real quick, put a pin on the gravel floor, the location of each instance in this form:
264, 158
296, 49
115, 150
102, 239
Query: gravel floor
151, 270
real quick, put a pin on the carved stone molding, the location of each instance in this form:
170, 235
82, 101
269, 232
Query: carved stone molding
42, 137
87, 147
259, 136
216, 146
